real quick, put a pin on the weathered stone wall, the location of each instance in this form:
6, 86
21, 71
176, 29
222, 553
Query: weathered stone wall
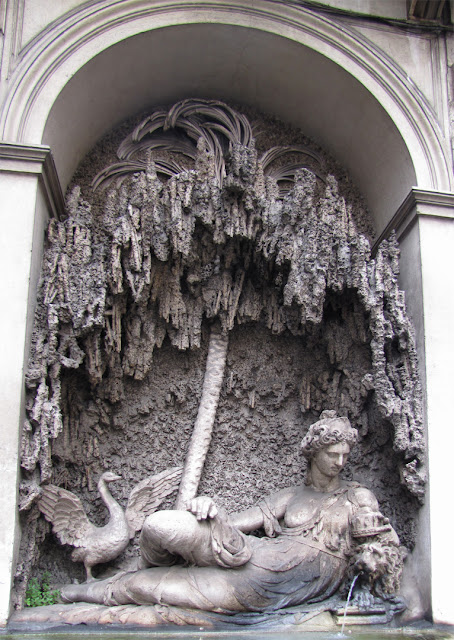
210, 224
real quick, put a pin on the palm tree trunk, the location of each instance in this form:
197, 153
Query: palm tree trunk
201, 435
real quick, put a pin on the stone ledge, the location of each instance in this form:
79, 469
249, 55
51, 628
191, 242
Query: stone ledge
38, 160
127, 616
327, 617
419, 202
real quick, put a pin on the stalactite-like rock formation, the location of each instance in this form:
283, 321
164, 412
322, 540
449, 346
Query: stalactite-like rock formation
193, 225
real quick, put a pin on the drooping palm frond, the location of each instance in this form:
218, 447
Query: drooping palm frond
115, 172
284, 173
210, 112
130, 148
179, 131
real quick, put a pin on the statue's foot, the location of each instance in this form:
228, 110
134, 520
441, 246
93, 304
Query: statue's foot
69, 593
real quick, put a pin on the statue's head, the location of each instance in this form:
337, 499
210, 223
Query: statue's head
330, 429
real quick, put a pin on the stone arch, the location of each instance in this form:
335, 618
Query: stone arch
366, 110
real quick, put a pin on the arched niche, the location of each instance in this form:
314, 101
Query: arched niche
339, 88
132, 341
248, 66
98, 64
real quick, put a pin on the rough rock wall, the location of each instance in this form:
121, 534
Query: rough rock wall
195, 222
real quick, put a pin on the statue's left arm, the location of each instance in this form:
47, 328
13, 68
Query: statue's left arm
204, 508
271, 508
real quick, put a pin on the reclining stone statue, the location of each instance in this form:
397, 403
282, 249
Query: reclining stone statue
316, 535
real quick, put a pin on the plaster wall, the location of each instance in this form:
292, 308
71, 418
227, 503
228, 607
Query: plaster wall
40, 13
416, 585
421, 57
396, 9
410, 279
37, 15
426, 263
450, 82
19, 192
437, 238
39, 229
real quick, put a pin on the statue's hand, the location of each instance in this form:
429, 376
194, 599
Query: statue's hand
203, 507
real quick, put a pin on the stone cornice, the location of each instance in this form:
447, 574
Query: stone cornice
419, 202
38, 160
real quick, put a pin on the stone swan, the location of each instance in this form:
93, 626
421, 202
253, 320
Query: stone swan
94, 545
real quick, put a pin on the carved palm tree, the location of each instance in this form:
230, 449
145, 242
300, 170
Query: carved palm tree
184, 129
203, 428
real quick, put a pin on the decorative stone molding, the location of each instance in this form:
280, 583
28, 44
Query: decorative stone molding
428, 11
419, 202
50, 59
37, 159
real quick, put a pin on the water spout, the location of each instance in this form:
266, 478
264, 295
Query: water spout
347, 603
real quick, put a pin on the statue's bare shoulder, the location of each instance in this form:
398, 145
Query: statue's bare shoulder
363, 497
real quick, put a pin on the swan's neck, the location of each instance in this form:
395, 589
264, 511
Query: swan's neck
108, 499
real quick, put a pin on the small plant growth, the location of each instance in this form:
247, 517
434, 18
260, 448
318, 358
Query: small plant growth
39, 593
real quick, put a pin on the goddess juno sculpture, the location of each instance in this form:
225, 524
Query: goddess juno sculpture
315, 533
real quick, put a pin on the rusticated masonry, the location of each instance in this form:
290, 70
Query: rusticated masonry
205, 219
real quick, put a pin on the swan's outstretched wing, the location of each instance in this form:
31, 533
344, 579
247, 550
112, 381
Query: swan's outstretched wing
148, 495
65, 511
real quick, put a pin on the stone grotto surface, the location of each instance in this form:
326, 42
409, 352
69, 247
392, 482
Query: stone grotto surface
197, 217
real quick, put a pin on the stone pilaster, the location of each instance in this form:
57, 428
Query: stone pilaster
424, 225
29, 193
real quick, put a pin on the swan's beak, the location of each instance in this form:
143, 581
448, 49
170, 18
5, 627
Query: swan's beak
114, 478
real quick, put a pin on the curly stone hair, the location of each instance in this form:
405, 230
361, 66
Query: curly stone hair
329, 429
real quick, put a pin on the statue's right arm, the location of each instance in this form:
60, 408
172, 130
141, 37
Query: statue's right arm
253, 518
